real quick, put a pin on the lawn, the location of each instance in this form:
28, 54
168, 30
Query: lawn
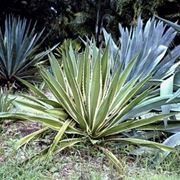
75, 163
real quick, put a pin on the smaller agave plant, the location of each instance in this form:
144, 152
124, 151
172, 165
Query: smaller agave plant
90, 103
19, 45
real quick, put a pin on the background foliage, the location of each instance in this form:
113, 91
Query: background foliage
72, 18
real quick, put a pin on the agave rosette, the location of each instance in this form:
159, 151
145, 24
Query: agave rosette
19, 51
91, 100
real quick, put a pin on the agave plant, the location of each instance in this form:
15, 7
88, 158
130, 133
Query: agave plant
90, 102
151, 42
19, 46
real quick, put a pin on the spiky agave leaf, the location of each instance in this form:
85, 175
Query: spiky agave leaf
172, 24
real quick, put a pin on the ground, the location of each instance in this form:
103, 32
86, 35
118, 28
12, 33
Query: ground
77, 163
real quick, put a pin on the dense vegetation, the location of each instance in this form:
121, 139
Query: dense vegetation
69, 19
113, 93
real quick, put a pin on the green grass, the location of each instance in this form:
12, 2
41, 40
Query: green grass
77, 163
